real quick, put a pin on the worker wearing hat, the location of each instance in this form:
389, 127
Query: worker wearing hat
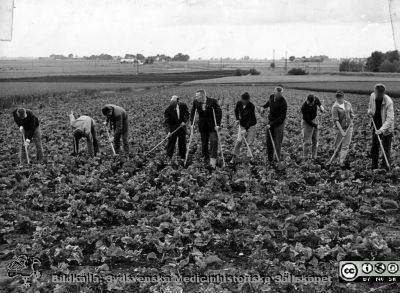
381, 111
176, 116
84, 126
343, 115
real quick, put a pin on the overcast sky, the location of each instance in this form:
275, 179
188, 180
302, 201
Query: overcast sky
200, 28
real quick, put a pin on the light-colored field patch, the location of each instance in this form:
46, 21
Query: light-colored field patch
350, 83
249, 79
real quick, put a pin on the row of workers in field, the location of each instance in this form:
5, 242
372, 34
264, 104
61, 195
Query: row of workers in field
207, 113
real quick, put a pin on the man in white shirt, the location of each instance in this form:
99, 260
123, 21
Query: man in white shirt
381, 111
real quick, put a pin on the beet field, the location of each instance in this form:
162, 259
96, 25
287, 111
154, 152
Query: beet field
163, 224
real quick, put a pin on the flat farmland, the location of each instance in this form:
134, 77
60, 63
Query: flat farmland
32, 88
147, 215
49, 67
17, 68
20, 68
39, 85
361, 87
351, 83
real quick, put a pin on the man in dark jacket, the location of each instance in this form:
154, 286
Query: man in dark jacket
310, 126
276, 124
246, 119
176, 115
29, 125
117, 119
205, 108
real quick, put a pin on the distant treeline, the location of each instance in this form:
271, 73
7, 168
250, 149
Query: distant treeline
138, 56
377, 62
312, 59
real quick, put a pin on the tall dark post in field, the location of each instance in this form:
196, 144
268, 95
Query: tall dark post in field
227, 113
273, 59
286, 61
392, 14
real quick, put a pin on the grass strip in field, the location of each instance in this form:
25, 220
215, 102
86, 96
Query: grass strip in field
176, 77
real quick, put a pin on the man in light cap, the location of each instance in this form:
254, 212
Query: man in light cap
84, 126
176, 115
343, 116
381, 111
28, 123
117, 119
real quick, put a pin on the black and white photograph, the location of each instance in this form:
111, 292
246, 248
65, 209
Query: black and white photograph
190, 146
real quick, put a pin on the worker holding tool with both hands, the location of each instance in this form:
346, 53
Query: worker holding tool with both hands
210, 115
176, 116
246, 121
381, 112
311, 126
342, 115
84, 126
276, 123
117, 120
29, 127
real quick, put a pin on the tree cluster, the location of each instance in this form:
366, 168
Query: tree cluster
351, 65
99, 57
384, 62
138, 56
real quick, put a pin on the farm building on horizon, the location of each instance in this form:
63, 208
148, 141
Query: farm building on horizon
130, 60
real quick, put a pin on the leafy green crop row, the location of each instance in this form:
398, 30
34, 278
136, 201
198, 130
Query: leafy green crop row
148, 215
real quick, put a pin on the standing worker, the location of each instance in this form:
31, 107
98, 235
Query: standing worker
342, 115
206, 108
117, 119
84, 126
311, 126
246, 120
276, 122
29, 126
381, 110
176, 116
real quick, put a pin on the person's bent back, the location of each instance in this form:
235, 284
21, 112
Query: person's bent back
28, 124
117, 119
84, 126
